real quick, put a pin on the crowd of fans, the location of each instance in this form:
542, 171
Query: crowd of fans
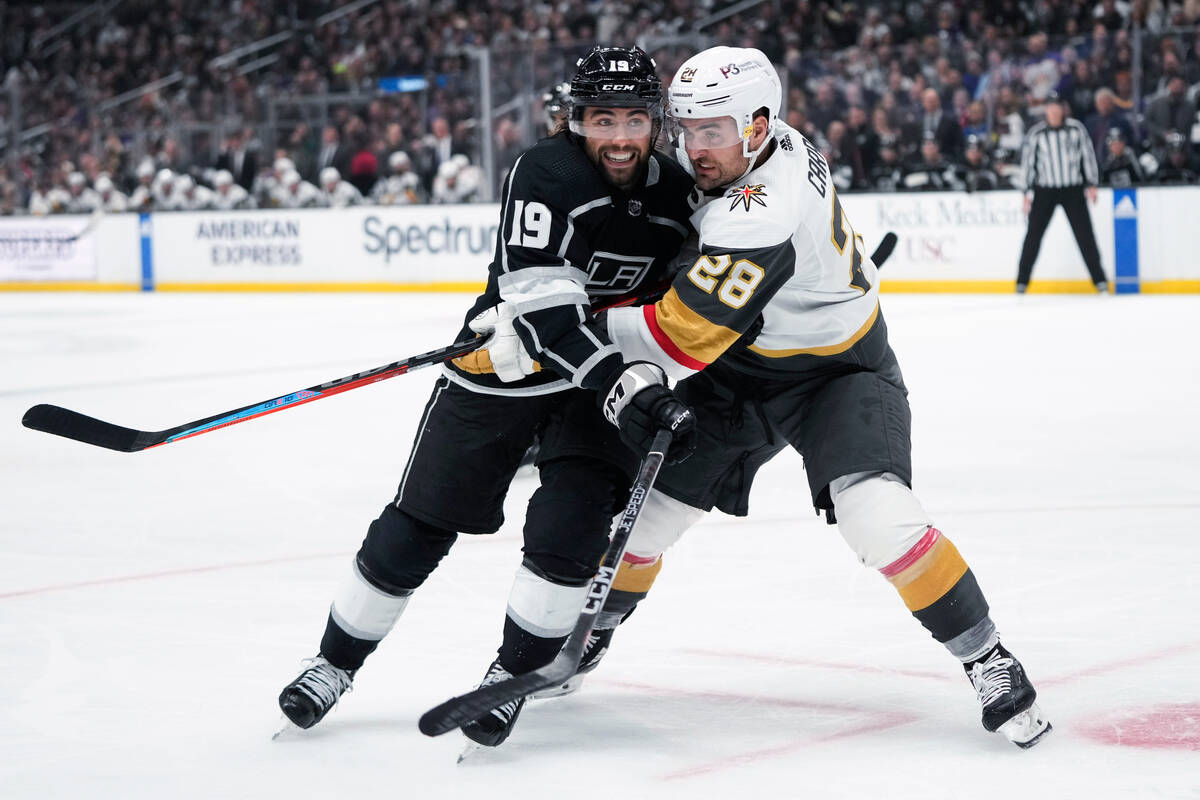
898, 95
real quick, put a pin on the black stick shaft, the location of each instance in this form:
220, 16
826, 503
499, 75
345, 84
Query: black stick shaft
458, 711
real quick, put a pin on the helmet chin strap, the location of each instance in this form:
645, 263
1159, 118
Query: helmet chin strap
754, 154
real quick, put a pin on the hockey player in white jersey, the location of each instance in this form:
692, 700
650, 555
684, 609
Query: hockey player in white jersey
400, 188
227, 195
454, 183
337, 193
777, 333
295, 192
163, 193
83, 198
142, 197
191, 196
112, 200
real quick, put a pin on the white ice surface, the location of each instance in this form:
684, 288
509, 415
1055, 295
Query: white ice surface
153, 604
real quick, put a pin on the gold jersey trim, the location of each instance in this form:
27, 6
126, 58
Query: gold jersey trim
826, 350
691, 332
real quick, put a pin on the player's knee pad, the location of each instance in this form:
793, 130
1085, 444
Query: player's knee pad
363, 610
400, 551
662, 521
878, 516
569, 518
542, 606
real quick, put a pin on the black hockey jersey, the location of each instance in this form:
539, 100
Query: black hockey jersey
568, 239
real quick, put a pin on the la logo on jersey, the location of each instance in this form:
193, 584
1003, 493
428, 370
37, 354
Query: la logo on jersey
747, 194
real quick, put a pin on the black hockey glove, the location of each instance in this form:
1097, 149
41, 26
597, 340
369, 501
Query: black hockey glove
636, 399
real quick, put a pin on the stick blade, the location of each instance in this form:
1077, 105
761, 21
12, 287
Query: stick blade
82, 428
458, 711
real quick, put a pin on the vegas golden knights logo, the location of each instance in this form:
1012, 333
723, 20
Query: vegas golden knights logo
747, 194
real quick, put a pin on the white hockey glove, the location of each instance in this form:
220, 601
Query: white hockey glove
504, 349
636, 399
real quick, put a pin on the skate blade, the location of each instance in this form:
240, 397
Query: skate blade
569, 686
1027, 728
471, 749
287, 729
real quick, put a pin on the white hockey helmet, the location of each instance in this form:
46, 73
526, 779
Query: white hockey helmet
104, 184
76, 180
330, 176
185, 184
221, 178
164, 177
290, 178
282, 165
399, 159
145, 169
448, 169
724, 82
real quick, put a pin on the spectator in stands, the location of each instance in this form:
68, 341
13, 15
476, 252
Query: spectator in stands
866, 140
1178, 168
1106, 118
1169, 111
939, 125
930, 172
975, 121
1081, 91
975, 174
337, 193
332, 152
1121, 167
238, 161
845, 154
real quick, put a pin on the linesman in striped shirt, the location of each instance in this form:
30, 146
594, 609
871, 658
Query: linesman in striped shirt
1059, 167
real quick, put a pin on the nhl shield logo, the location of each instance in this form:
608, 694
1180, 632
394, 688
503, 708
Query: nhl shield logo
635, 208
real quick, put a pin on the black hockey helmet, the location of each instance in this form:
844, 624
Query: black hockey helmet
617, 77
556, 104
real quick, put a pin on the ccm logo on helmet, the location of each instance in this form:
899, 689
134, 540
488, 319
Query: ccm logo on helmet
618, 87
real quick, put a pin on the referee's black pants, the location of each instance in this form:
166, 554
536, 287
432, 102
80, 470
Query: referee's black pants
1040, 212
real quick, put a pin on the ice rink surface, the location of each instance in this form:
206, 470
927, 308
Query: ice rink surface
153, 604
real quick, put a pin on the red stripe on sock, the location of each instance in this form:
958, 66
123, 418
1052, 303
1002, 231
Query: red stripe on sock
664, 341
630, 558
908, 559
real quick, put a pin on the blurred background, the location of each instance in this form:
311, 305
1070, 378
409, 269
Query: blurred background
159, 106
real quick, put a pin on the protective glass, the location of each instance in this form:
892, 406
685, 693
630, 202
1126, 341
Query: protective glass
710, 133
608, 126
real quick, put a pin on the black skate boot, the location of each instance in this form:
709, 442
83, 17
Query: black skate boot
493, 728
306, 700
597, 646
1007, 697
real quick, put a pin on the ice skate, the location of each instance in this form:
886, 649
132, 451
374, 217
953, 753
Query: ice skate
494, 727
597, 646
306, 700
1007, 697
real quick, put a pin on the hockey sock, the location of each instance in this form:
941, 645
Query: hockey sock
632, 583
939, 589
541, 614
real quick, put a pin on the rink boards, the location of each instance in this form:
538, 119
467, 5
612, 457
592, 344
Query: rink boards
948, 242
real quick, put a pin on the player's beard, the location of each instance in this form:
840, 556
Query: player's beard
623, 176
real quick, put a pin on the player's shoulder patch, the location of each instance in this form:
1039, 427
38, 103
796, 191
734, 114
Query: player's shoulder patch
747, 196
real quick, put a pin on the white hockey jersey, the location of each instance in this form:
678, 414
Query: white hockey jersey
234, 197
344, 194
777, 245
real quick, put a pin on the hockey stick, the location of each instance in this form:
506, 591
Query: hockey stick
886, 245
89, 430
458, 711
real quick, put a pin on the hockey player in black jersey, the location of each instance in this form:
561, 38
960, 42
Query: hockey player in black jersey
589, 215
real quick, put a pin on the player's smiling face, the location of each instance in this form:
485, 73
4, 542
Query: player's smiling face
617, 140
714, 148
